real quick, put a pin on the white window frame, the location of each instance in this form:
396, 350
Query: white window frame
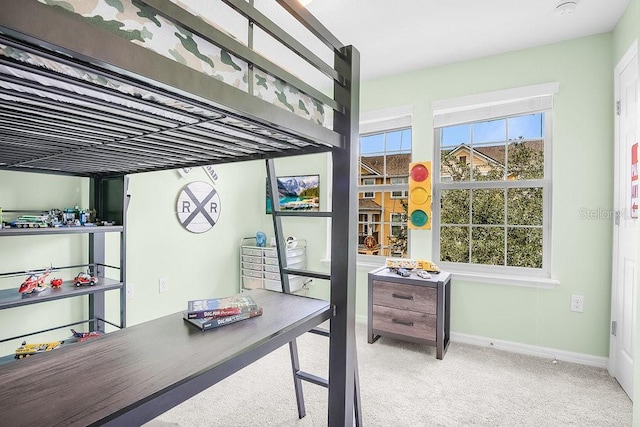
376, 122
487, 106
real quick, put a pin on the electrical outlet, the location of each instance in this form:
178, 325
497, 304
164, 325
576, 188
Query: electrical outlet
577, 303
163, 285
129, 290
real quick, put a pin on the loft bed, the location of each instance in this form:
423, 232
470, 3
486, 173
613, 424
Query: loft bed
108, 88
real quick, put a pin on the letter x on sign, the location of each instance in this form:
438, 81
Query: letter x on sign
198, 207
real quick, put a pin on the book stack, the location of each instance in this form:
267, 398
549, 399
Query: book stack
212, 313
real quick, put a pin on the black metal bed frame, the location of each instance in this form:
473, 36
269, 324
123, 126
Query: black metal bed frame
93, 138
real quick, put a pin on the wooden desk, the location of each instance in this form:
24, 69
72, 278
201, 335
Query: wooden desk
131, 376
410, 308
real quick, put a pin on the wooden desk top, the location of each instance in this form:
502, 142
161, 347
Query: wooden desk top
131, 376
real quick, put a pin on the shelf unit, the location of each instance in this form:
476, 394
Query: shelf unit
107, 197
259, 267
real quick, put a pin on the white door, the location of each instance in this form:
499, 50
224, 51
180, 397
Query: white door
625, 246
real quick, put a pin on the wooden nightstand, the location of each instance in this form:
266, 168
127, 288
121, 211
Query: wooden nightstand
410, 308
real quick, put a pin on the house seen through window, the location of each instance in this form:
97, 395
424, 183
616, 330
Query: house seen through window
382, 197
492, 191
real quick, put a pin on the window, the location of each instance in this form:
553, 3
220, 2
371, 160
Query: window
368, 194
400, 181
384, 165
493, 188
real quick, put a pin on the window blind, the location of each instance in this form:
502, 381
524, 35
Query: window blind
495, 104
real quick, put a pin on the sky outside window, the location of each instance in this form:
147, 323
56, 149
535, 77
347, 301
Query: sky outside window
530, 126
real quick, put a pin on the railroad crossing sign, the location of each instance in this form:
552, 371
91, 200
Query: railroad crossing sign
198, 207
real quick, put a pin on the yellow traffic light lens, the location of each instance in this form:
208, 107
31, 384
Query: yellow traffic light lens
419, 195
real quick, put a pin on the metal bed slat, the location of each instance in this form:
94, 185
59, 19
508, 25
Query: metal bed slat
71, 110
28, 125
32, 69
214, 143
46, 114
206, 147
35, 119
86, 99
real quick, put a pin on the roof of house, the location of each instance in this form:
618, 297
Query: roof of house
368, 204
495, 153
397, 165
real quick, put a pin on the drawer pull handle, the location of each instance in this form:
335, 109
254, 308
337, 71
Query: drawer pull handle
407, 297
402, 322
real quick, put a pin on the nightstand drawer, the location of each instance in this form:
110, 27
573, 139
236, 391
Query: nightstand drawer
407, 297
404, 322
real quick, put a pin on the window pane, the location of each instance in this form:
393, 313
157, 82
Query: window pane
487, 245
490, 131
530, 126
372, 144
399, 141
454, 165
524, 247
489, 162
524, 206
398, 164
454, 207
526, 159
488, 206
454, 244
452, 136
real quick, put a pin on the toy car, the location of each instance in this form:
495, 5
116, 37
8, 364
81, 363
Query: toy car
85, 279
423, 274
403, 272
26, 350
56, 283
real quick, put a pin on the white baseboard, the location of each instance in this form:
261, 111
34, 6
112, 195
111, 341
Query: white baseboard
532, 350
516, 347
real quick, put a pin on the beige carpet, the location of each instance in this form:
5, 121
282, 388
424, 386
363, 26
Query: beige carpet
403, 384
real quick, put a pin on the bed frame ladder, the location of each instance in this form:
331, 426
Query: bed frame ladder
299, 375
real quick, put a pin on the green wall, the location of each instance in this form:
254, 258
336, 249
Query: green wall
582, 169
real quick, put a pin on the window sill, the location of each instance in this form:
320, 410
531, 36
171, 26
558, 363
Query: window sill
503, 279
489, 278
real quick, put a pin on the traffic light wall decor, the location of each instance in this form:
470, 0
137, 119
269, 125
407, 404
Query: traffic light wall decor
420, 196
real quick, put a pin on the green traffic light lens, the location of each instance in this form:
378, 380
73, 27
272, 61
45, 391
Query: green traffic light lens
419, 218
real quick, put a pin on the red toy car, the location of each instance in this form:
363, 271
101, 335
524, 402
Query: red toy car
85, 279
56, 283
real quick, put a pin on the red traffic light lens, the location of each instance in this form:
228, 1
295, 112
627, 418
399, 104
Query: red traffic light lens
419, 173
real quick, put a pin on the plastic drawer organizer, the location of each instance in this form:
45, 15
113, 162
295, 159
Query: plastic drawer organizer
259, 265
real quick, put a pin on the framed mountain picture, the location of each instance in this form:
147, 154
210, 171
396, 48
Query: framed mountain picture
299, 192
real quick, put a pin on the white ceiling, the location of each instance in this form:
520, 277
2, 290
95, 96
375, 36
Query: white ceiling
401, 35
